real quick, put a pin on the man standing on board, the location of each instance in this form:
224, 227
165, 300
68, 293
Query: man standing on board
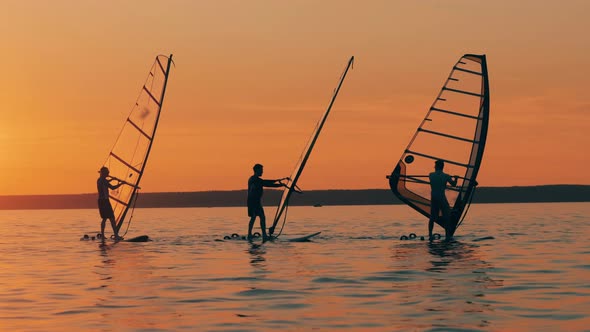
438, 199
104, 205
255, 191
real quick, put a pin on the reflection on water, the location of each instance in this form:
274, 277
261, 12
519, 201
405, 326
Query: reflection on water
356, 275
443, 282
104, 249
465, 282
257, 252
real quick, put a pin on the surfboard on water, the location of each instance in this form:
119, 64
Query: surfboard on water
438, 238
129, 155
454, 130
305, 238
140, 238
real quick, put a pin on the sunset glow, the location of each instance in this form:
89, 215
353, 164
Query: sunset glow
252, 78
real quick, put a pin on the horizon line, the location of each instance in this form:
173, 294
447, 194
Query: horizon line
310, 190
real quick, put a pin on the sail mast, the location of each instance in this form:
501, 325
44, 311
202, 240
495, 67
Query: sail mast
480, 135
292, 184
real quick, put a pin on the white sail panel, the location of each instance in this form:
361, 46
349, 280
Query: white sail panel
129, 154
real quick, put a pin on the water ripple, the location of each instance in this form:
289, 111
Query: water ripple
356, 276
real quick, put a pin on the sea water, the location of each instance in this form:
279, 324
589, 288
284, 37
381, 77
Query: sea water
534, 275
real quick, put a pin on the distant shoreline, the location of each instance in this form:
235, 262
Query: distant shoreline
234, 198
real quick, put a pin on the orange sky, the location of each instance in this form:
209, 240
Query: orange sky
253, 77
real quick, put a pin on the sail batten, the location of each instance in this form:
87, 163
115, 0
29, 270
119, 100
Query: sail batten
416, 178
448, 136
454, 130
455, 113
128, 157
124, 162
118, 200
151, 96
139, 129
164, 71
464, 92
438, 158
467, 70
292, 181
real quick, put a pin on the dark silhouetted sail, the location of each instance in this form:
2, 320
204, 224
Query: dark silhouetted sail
454, 130
129, 155
292, 182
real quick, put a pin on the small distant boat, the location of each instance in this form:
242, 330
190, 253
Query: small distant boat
128, 157
317, 205
454, 130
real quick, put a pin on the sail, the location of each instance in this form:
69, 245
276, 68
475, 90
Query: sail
128, 157
454, 130
292, 181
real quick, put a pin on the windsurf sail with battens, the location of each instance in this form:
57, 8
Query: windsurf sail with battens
454, 130
291, 184
128, 157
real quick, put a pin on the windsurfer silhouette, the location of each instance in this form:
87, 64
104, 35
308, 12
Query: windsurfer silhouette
255, 191
104, 205
438, 199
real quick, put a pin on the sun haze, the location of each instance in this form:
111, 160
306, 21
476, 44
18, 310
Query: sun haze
252, 78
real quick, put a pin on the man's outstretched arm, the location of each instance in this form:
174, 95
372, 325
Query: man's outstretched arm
274, 183
116, 186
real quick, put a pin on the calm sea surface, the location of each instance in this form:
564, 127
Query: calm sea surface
357, 275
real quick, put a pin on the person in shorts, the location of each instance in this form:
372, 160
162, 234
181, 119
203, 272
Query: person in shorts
104, 205
438, 198
255, 191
